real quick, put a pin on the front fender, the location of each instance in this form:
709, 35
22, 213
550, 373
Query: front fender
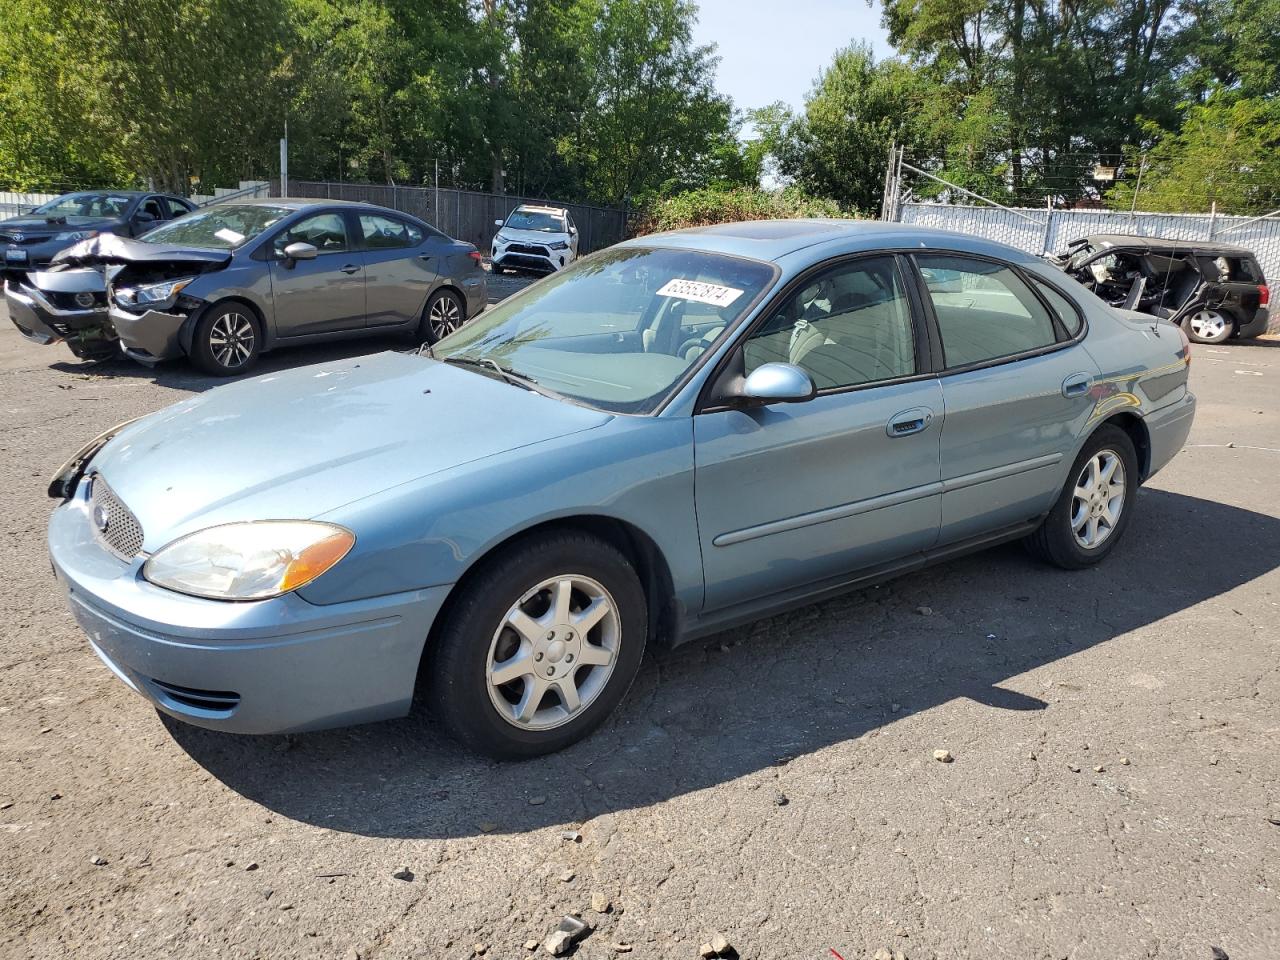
429, 532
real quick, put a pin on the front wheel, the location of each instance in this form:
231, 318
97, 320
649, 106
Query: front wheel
227, 340
539, 647
1091, 513
443, 314
1208, 326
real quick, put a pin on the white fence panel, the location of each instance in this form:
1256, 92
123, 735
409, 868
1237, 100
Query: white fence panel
14, 204
1054, 229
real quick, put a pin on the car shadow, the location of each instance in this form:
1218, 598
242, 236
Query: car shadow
739, 702
181, 375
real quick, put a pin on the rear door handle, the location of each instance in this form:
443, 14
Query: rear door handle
1077, 385
908, 422
350, 268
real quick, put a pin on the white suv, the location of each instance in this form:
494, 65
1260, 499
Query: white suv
535, 238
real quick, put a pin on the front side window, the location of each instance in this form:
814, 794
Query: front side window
384, 233
223, 226
327, 232
848, 326
616, 330
984, 309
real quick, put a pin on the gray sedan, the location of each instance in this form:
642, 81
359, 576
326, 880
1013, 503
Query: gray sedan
664, 440
227, 283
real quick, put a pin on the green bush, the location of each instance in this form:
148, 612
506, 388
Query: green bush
698, 208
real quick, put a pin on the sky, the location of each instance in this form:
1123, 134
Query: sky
773, 49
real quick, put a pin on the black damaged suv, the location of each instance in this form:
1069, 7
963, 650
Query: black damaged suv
1213, 290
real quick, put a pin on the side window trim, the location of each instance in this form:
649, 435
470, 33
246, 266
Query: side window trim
942, 370
921, 335
1035, 281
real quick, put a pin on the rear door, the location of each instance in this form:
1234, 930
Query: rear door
792, 495
1017, 387
323, 295
401, 263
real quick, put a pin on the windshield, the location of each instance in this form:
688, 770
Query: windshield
617, 330
105, 205
530, 220
1081, 254
224, 227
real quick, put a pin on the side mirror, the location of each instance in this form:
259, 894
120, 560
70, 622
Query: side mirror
778, 383
300, 251
498, 223
143, 217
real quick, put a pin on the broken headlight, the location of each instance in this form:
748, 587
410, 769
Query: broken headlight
63, 484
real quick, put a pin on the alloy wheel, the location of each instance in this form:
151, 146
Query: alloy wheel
1098, 499
231, 340
444, 317
554, 652
1208, 325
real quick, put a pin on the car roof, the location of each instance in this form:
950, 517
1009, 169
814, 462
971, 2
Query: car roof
1165, 243
772, 240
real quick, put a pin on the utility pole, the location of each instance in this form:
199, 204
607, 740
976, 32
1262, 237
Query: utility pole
1142, 168
284, 160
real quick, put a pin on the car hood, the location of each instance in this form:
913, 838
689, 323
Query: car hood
43, 224
112, 249
301, 443
532, 236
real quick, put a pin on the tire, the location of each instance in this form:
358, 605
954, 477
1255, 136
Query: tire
462, 674
1062, 539
444, 313
227, 340
1209, 326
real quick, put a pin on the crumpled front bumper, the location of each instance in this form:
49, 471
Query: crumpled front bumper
41, 321
149, 336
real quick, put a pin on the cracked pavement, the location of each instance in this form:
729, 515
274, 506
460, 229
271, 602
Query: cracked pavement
1167, 657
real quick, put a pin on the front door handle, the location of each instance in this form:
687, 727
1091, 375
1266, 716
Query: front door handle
349, 268
908, 422
1077, 385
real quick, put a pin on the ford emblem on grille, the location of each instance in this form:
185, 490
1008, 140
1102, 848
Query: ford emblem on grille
100, 518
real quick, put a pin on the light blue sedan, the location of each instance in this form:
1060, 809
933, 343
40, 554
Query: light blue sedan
673, 436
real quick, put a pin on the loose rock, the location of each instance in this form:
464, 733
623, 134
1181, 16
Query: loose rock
567, 876
250, 867
1218, 953
884, 953
622, 948
942, 756
573, 836
537, 801
780, 799
1099, 769
720, 945
706, 951
600, 903
1124, 761
531, 945
404, 873
1073, 767
98, 861
480, 949
925, 611
568, 932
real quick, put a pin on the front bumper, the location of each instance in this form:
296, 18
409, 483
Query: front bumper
149, 336
42, 322
269, 666
512, 260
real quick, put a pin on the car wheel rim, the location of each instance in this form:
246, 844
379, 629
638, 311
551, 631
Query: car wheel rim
1208, 324
443, 317
1098, 499
231, 340
553, 653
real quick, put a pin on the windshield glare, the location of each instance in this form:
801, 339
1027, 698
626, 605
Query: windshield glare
223, 227
617, 330
104, 205
542, 222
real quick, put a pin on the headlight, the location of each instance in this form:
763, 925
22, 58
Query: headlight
75, 235
560, 245
249, 561
152, 293
499, 238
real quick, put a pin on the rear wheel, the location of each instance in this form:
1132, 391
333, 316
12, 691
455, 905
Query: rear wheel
443, 314
1209, 326
539, 647
1095, 505
227, 340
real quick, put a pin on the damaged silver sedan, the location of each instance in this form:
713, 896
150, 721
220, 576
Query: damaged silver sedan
230, 282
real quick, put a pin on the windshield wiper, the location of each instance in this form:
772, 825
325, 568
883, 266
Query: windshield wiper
507, 374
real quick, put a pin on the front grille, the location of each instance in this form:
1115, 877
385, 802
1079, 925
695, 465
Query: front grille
213, 701
26, 238
529, 248
116, 526
67, 301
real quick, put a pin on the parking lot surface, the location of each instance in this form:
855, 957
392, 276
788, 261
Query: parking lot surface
1115, 790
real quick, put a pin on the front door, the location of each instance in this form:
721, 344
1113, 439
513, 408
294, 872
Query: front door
1018, 395
321, 295
791, 495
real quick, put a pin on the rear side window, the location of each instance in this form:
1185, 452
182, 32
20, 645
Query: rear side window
1066, 311
383, 233
985, 311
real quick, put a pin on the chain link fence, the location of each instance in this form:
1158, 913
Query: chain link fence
1039, 230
